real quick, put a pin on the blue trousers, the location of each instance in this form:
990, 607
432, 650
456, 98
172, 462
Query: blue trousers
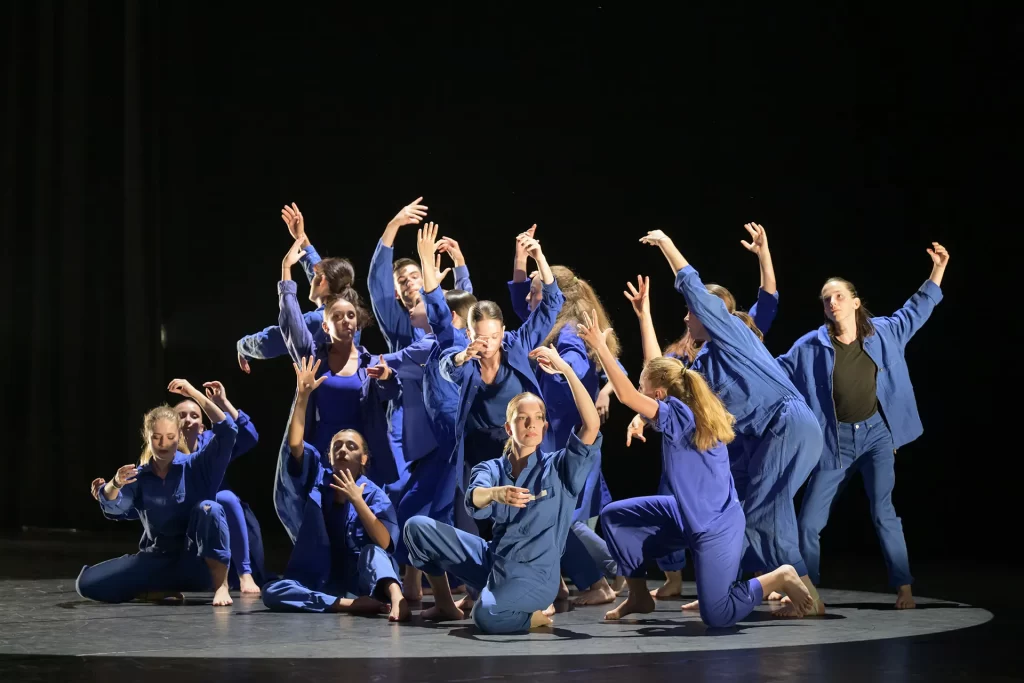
430, 491
865, 447
376, 570
767, 476
653, 527
239, 533
673, 562
510, 592
123, 578
586, 559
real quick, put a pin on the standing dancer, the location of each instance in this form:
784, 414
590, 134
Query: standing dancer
531, 496
326, 276
701, 511
782, 439
186, 541
867, 413
341, 561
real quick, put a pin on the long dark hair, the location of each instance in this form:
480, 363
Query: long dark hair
864, 327
338, 272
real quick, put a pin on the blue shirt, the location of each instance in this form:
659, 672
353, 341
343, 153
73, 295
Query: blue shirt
735, 363
811, 360
165, 504
337, 408
700, 481
532, 539
492, 400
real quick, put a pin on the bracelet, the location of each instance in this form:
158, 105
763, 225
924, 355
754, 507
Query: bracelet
114, 482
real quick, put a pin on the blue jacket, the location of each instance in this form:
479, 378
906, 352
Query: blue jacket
515, 350
811, 360
441, 397
311, 560
269, 342
734, 362
763, 312
375, 394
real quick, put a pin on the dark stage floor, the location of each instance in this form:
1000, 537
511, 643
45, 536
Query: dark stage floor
962, 631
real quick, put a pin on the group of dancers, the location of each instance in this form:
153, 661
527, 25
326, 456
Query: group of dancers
467, 458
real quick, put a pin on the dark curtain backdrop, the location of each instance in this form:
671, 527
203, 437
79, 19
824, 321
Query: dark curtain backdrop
149, 146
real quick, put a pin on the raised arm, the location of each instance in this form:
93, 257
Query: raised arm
758, 245
297, 337
247, 437
915, 312
519, 265
623, 388
117, 497
212, 461
542, 319
639, 298
668, 249
550, 362
306, 382
426, 246
446, 245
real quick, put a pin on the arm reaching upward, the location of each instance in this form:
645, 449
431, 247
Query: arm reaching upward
624, 389
758, 245
639, 297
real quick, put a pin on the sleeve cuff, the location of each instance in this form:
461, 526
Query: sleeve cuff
461, 272
287, 287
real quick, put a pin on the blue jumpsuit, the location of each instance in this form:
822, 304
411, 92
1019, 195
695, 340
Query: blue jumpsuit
356, 402
517, 573
334, 557
781, 439
269, 342
396, 326
183, 526
763, 312
869, 446
701, 512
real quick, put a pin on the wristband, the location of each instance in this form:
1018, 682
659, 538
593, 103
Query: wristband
114, 482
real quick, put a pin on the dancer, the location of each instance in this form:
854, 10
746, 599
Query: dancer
394, 292
354, 395
341, 561
186, 542
702, 511
326, 276
585, 571
782, 439
867, 414
531, 495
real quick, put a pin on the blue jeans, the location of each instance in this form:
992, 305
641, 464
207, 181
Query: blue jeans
866, 447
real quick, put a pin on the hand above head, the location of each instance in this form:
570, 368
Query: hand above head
182, 387
529, 244
655, 237
306, 380
216, 392
346, 484
292, 217
426, 242
446, 245
549, 360
521, 252
513, 496
758, 238
294, 253
380, 371
635, 430
590, 332
411, 214
940, 257
639, 296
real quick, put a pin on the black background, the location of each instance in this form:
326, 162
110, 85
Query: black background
148, 149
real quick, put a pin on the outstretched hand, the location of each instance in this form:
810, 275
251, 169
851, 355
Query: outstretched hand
292, 217
346, 484
655, 237
181, 387
294, 254
639, 296
590, 332
635, 430
446, 245
758, 238
305, 375
125, 475
549, 360
513, 496
940, 257
381, 371
216, 392
410, 214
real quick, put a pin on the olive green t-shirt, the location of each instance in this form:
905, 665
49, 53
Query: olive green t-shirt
853, 382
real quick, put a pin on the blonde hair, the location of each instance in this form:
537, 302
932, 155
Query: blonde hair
687, 347
580, 298
510, 413
713, 423
149, 420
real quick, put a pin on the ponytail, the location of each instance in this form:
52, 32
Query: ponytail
510, 415
713, 423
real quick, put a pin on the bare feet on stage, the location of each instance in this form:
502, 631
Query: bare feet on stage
247, 585
412, 584
399, 605
599, 594
542, 618
691, 606
465, 603
774, 596
222, 598
639, 601
445, 613
904, 598
801, 597
618, 584
364, 604
673, 586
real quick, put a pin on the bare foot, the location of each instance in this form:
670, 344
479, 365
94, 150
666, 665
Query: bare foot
247, 585
548, 611
796, 591
400, 611
672, 587
598, 594
563, 591
774, 596
450, 613
540, 618
788, 611
690, 606
465, 604
413, 594
618, 584
640, 603
364, 604
222, 598
904, 599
